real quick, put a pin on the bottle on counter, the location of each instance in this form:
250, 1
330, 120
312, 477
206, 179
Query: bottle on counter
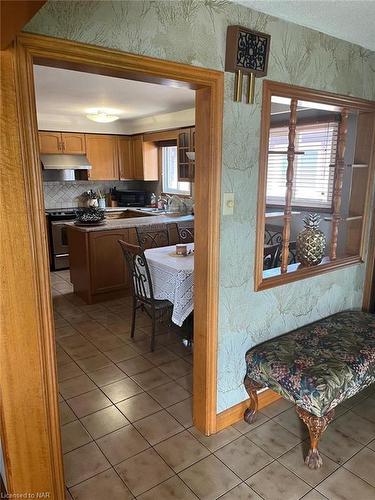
113, 197
153, 200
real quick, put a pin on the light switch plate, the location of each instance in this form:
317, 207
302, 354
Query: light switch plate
228, 203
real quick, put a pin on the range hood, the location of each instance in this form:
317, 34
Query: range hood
65, 167
64, 162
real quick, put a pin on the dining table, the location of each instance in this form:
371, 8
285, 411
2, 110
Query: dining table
172, 279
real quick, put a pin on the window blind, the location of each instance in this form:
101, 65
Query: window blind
313, 170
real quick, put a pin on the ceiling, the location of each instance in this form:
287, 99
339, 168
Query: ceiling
64, 97
351, 20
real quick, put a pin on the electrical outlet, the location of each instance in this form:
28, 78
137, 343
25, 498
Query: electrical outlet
228, 203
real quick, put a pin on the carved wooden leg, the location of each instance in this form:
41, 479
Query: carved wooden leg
316, 426
251, 413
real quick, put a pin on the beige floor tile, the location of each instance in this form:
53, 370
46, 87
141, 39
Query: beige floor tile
121, 353
343, 485
135, 365
160, 356
68, 370
107, 375
181, 451
337, 446
273, 438
152, 378
372, 445
85, 351
68, 496
217, 440
243, 457
143, 346
176, 369
209, 478
108, 343
183, 412
363, 465
62, 357
138, 407
314, 495
355, 400
355, 427
66, 413
275, 482
291, 422
172, 489
186, 382
294, 461
179, 348
76, 386
65, 331
122, 444
121, 390
241, 492
106, 485
157, 427
104, 421
73, 435
243, 427
83, 463
93, 363
88, 403
276, 408
366, 409
143, 471
169, 394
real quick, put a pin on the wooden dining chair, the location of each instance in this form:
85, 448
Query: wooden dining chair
142, 291
152, 236
185, 231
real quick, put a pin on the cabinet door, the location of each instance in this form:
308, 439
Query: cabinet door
150, 161
50, 142
107, 263
137, 149
125, 157
183, 163
73, 143
101, 151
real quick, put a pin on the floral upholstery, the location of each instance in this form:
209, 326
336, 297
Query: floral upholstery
319, 365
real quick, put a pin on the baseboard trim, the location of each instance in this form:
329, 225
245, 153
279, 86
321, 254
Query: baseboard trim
235, 413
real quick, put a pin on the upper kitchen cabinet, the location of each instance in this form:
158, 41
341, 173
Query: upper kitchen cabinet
186, 144
62, 143
101, 151
125, 157
145, 159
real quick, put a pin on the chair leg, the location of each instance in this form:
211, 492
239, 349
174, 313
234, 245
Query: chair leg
316, 427
153, 330
133, 317
251, 386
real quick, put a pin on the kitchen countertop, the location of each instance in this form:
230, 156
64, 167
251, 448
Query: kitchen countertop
131, 222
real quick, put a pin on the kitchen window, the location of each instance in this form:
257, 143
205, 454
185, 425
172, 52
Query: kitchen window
314, 165
171, 184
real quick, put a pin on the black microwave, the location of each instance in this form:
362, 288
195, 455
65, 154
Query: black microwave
133, 198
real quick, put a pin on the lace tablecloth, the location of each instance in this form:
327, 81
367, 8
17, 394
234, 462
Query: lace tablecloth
173, 279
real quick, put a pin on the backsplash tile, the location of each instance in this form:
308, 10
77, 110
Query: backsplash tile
69, 194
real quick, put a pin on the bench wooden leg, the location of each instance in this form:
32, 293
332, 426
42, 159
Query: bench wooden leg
316, 426
251, 413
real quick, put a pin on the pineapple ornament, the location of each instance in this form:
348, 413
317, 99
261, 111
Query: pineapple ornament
311, 242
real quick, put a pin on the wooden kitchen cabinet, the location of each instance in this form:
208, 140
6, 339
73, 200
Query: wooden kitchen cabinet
101, 151
125, 157
50, 142
62, 143
145, 159
185, 144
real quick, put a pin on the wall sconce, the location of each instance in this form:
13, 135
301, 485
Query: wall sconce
247, 53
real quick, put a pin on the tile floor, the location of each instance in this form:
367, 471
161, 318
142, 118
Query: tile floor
127, 429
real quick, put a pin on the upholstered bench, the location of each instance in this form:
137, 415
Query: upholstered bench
316, 367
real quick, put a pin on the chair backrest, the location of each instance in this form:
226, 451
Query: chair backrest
139, 272
152, 236
292, 256
270, 254
186, 231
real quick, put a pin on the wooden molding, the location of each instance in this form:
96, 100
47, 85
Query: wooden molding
235, 413
14, 15
30, 409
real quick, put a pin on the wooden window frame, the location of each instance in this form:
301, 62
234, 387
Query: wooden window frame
276, 278
29, 417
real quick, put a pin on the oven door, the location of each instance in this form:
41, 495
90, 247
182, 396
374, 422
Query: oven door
59, 238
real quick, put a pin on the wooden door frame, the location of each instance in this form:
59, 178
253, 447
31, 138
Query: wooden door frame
209, 86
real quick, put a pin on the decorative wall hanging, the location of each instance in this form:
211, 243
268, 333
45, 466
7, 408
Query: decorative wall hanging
247, 53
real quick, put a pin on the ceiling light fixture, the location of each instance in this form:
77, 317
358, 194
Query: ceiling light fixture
102, 117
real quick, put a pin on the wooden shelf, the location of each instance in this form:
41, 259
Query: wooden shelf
350, 218
359, 165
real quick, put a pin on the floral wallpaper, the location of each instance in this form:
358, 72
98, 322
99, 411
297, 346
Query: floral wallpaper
194, 32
